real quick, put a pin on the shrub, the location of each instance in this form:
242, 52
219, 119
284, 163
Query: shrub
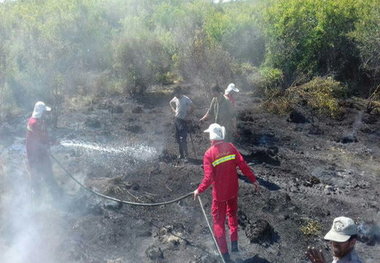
262, 81
320, 95
310, 37
205, 64
367, 35
270, 78
141, 62
8, 107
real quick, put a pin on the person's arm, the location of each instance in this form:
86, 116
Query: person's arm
173, 101
207, 178
205, 117
315, 255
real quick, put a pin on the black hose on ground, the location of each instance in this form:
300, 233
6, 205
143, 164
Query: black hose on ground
143, 204
116, 199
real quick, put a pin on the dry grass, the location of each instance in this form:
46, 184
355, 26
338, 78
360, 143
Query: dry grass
321, 95
312, 228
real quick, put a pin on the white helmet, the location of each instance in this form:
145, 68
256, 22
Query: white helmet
216, 131
39, 109
231, 87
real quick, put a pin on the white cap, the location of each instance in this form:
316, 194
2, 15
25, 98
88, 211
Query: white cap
216, 131
342, 229
39, 108
231, 87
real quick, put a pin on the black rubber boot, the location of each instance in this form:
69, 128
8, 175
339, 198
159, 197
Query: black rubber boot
181, 150
185, 151
226, 257
234, 246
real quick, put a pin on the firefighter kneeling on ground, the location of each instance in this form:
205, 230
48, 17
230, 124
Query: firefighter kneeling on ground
37, 150
219, 165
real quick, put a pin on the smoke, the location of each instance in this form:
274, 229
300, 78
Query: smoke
29, 231
351, 136
369, 232
357, 123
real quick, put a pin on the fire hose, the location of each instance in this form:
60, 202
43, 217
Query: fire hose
142, 204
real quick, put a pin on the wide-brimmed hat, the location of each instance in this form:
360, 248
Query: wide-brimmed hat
342, 229
216, 132
39, 108
231, 87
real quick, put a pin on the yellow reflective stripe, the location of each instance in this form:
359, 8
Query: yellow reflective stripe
223, 159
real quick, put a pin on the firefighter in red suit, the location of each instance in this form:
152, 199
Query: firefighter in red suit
37, 151
219, 164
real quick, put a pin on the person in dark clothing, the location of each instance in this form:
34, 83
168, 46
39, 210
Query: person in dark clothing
182, 106
223, 112
37, 150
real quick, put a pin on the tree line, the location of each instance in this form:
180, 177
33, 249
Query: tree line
62, 50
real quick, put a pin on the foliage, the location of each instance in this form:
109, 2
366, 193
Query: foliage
203, 65
367, 35
262, 81
143, 62
52, 40
310, 37
55, 50
320, 95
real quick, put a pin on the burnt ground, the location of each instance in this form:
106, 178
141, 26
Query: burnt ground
310, 172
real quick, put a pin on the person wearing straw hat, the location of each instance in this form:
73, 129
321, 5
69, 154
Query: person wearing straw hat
228, 93
219, 165
37, 151
342, 236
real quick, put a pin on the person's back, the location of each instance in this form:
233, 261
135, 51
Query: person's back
222, 157
224, 113
36, 138
219, 165
183, 106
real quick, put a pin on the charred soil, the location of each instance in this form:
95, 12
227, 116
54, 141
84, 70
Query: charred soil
310, 172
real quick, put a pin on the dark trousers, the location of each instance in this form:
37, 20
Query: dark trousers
181, 130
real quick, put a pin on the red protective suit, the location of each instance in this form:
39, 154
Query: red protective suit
231, 98
37, 141
37, 150
219, 164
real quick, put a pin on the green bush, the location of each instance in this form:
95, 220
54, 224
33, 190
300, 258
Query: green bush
259, 80
8, 107
141, 62
367, 35
310, 38
205, 64
320, 95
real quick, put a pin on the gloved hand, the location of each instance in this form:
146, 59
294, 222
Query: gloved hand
196, 193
